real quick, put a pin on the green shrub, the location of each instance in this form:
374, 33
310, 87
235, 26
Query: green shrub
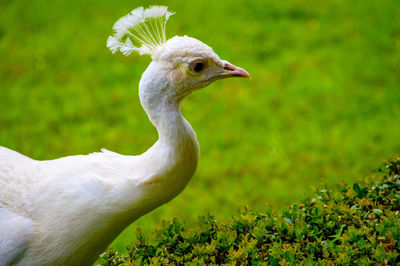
348, 224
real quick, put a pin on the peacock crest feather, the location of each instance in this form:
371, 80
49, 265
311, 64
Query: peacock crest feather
142, 30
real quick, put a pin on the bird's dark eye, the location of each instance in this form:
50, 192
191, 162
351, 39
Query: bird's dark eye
197, 66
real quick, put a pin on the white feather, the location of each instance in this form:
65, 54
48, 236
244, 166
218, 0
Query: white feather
15, 240
131, 20
157, 11
113, 44
141, 30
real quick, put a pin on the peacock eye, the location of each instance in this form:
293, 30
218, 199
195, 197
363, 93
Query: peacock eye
197, 66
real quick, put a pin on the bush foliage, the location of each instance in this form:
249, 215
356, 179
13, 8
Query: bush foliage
347, 224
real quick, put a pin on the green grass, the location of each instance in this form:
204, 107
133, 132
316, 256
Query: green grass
323, 105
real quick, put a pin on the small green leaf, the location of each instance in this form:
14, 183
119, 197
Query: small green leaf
289, 256
377, 212
356, 188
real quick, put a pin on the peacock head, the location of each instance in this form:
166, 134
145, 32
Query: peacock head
183, 62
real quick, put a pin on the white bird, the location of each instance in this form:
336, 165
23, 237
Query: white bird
66, 211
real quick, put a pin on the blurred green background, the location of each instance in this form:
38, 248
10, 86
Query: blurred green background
323, 105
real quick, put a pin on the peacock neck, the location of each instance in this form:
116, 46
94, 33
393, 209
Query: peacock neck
159, 98
171, 126
175, 154
162, 105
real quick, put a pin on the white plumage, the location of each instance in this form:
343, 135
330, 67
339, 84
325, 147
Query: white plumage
66, 211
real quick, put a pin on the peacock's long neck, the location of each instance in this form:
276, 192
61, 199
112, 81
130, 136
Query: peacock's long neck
166, 116
176, 152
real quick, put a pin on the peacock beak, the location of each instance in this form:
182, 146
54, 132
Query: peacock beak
233, 71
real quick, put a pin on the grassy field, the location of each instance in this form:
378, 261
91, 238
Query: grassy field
323, 105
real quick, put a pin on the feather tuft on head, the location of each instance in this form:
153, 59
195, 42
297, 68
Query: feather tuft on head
142, 30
